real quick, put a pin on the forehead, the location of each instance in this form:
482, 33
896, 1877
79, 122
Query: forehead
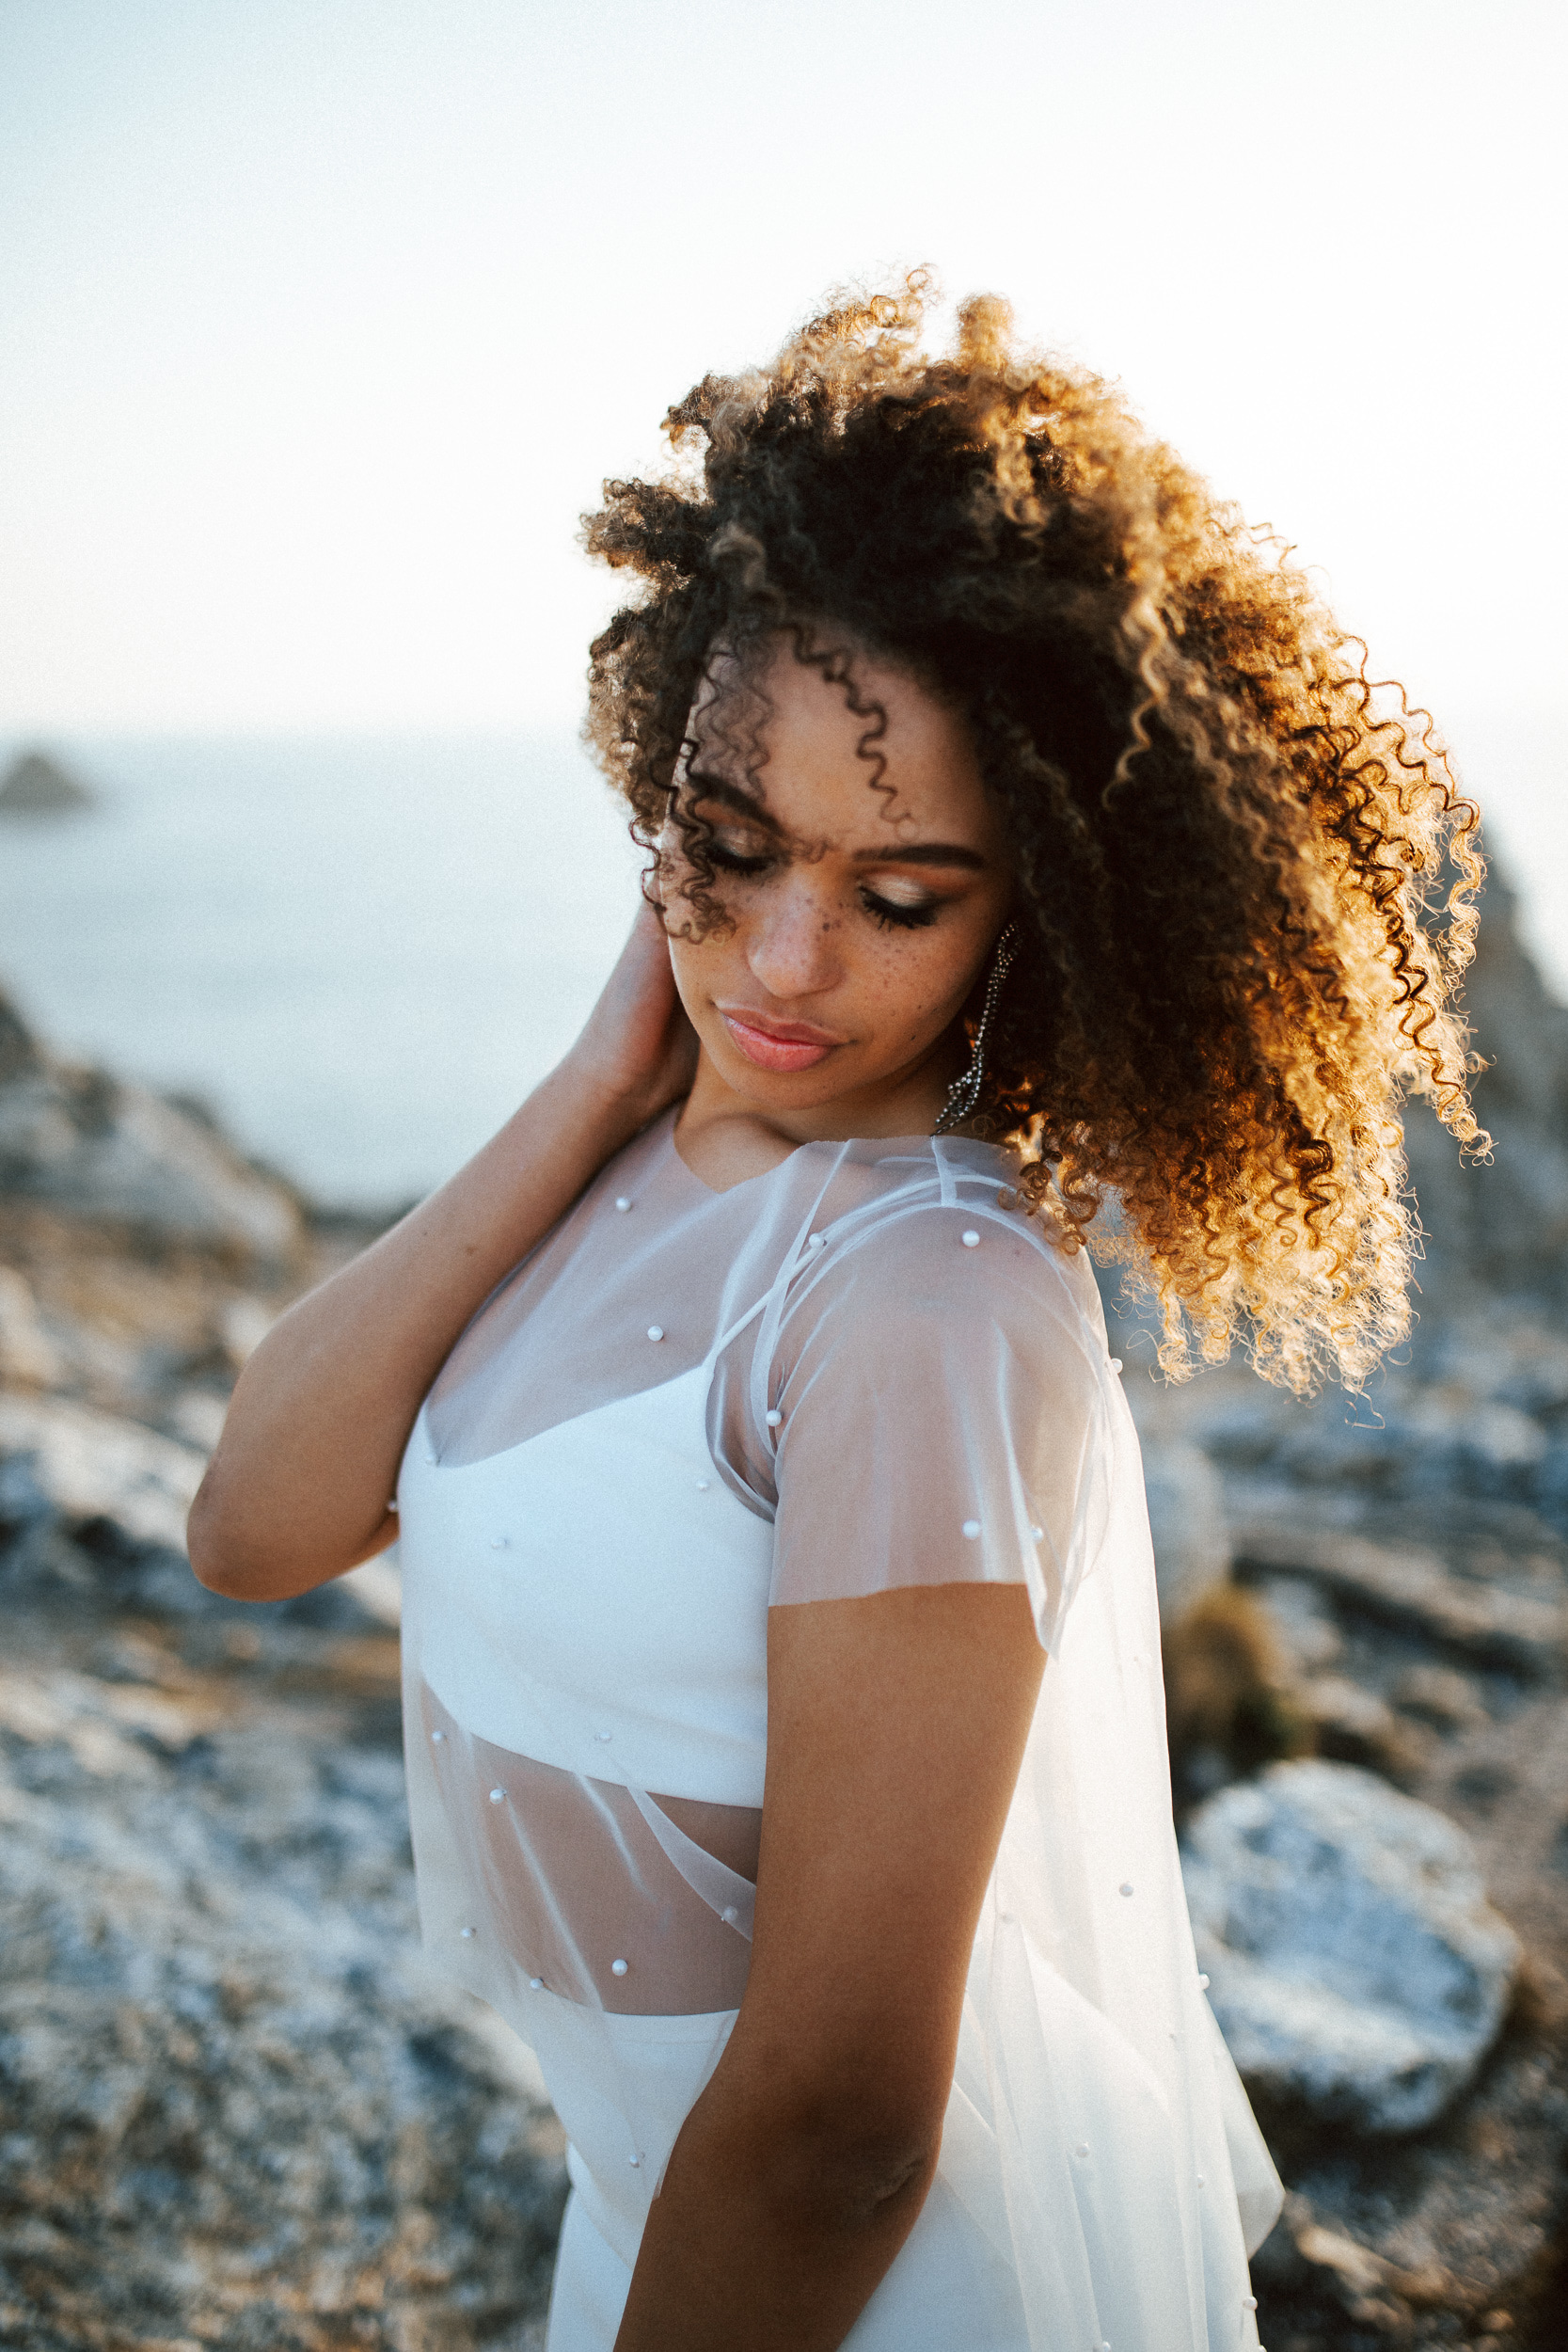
820, 752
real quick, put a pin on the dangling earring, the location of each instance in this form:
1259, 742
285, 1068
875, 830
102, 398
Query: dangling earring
964, 1092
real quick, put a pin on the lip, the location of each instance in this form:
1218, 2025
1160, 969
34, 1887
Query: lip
782, 1045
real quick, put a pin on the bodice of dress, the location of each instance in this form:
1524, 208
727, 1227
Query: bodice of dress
596, 1597
866, 1369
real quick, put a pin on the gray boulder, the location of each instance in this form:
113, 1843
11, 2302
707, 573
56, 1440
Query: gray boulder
239, 2112
1357, 1967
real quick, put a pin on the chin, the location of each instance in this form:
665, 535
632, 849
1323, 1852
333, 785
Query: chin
782, 1090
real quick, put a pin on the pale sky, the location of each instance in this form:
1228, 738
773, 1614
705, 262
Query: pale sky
322, 320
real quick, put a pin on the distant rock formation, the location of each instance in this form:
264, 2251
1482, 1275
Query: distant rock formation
90, 1148
1503, 1224
37, 786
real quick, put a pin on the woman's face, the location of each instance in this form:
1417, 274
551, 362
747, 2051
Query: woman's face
859, 918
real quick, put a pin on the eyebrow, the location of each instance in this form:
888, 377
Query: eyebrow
708, 786
922, 853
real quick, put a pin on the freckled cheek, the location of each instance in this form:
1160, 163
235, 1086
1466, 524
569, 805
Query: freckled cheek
915, 995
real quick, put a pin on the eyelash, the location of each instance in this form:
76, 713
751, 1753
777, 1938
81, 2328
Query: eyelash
891, 918
886, 916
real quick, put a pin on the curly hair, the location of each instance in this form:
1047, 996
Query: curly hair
1245, 875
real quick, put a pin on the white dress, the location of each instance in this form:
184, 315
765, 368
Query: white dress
865, 1369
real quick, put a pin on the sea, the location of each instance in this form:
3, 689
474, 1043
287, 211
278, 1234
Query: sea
360, 953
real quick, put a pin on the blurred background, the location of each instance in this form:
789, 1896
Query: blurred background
320, 324
324, 320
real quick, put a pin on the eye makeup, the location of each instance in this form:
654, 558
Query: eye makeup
752, 845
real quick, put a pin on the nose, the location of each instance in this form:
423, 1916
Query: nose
793, 945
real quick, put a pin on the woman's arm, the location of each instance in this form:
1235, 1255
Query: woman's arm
896, 1726
298, 1488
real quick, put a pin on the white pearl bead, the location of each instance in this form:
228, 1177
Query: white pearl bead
655, 1331
971, 1239
437, 1737
536, 1984
620, 1201
773, 1419
972, 1529
497, 1543
729, 1914
430, 1457
1125, 1887
467, 1936
1038, 1534
634, 2162
817, 1241
704, 1485
1082, 2148
1249, 2302
1203, 1983
1116, 1363
497, 1796
393, 1503
601, 1735
617, 1967
1200, 2180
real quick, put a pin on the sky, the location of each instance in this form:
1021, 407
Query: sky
321, 321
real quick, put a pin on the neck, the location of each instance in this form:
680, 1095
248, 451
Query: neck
725, 1135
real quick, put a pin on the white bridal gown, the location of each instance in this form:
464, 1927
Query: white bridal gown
858, 1371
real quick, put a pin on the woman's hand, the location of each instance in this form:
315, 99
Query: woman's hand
299, 1488
637, 1049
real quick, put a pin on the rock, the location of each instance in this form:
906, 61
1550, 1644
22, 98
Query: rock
196, 1418
97, 1504
245, 1324
1309, 1637
1357, 1969
29, 1357
1354, 1725
20, 1055
1439, 1696
89, 1146
1408, 1587
1228, 1702
98, 1474
37, 786
1186, 1518
1504, 1222
238, 2112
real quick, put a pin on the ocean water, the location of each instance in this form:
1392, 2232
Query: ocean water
361, 953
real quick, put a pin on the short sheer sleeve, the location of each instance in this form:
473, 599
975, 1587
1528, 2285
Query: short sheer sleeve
939, 1387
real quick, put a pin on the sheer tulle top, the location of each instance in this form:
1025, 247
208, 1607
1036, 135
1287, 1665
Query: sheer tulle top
915, 1405
865, 1369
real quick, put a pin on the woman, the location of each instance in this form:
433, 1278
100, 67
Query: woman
784, 1707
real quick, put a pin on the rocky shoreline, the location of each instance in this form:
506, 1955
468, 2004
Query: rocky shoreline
235, 2112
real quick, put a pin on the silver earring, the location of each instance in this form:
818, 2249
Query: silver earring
964, 1092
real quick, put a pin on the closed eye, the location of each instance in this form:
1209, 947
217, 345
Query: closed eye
890, 915
730, 860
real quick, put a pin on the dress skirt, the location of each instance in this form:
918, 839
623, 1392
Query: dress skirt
948, 2289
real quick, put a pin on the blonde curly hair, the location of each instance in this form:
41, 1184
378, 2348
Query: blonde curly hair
1244, 874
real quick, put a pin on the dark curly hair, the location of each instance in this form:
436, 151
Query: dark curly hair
1245, 876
